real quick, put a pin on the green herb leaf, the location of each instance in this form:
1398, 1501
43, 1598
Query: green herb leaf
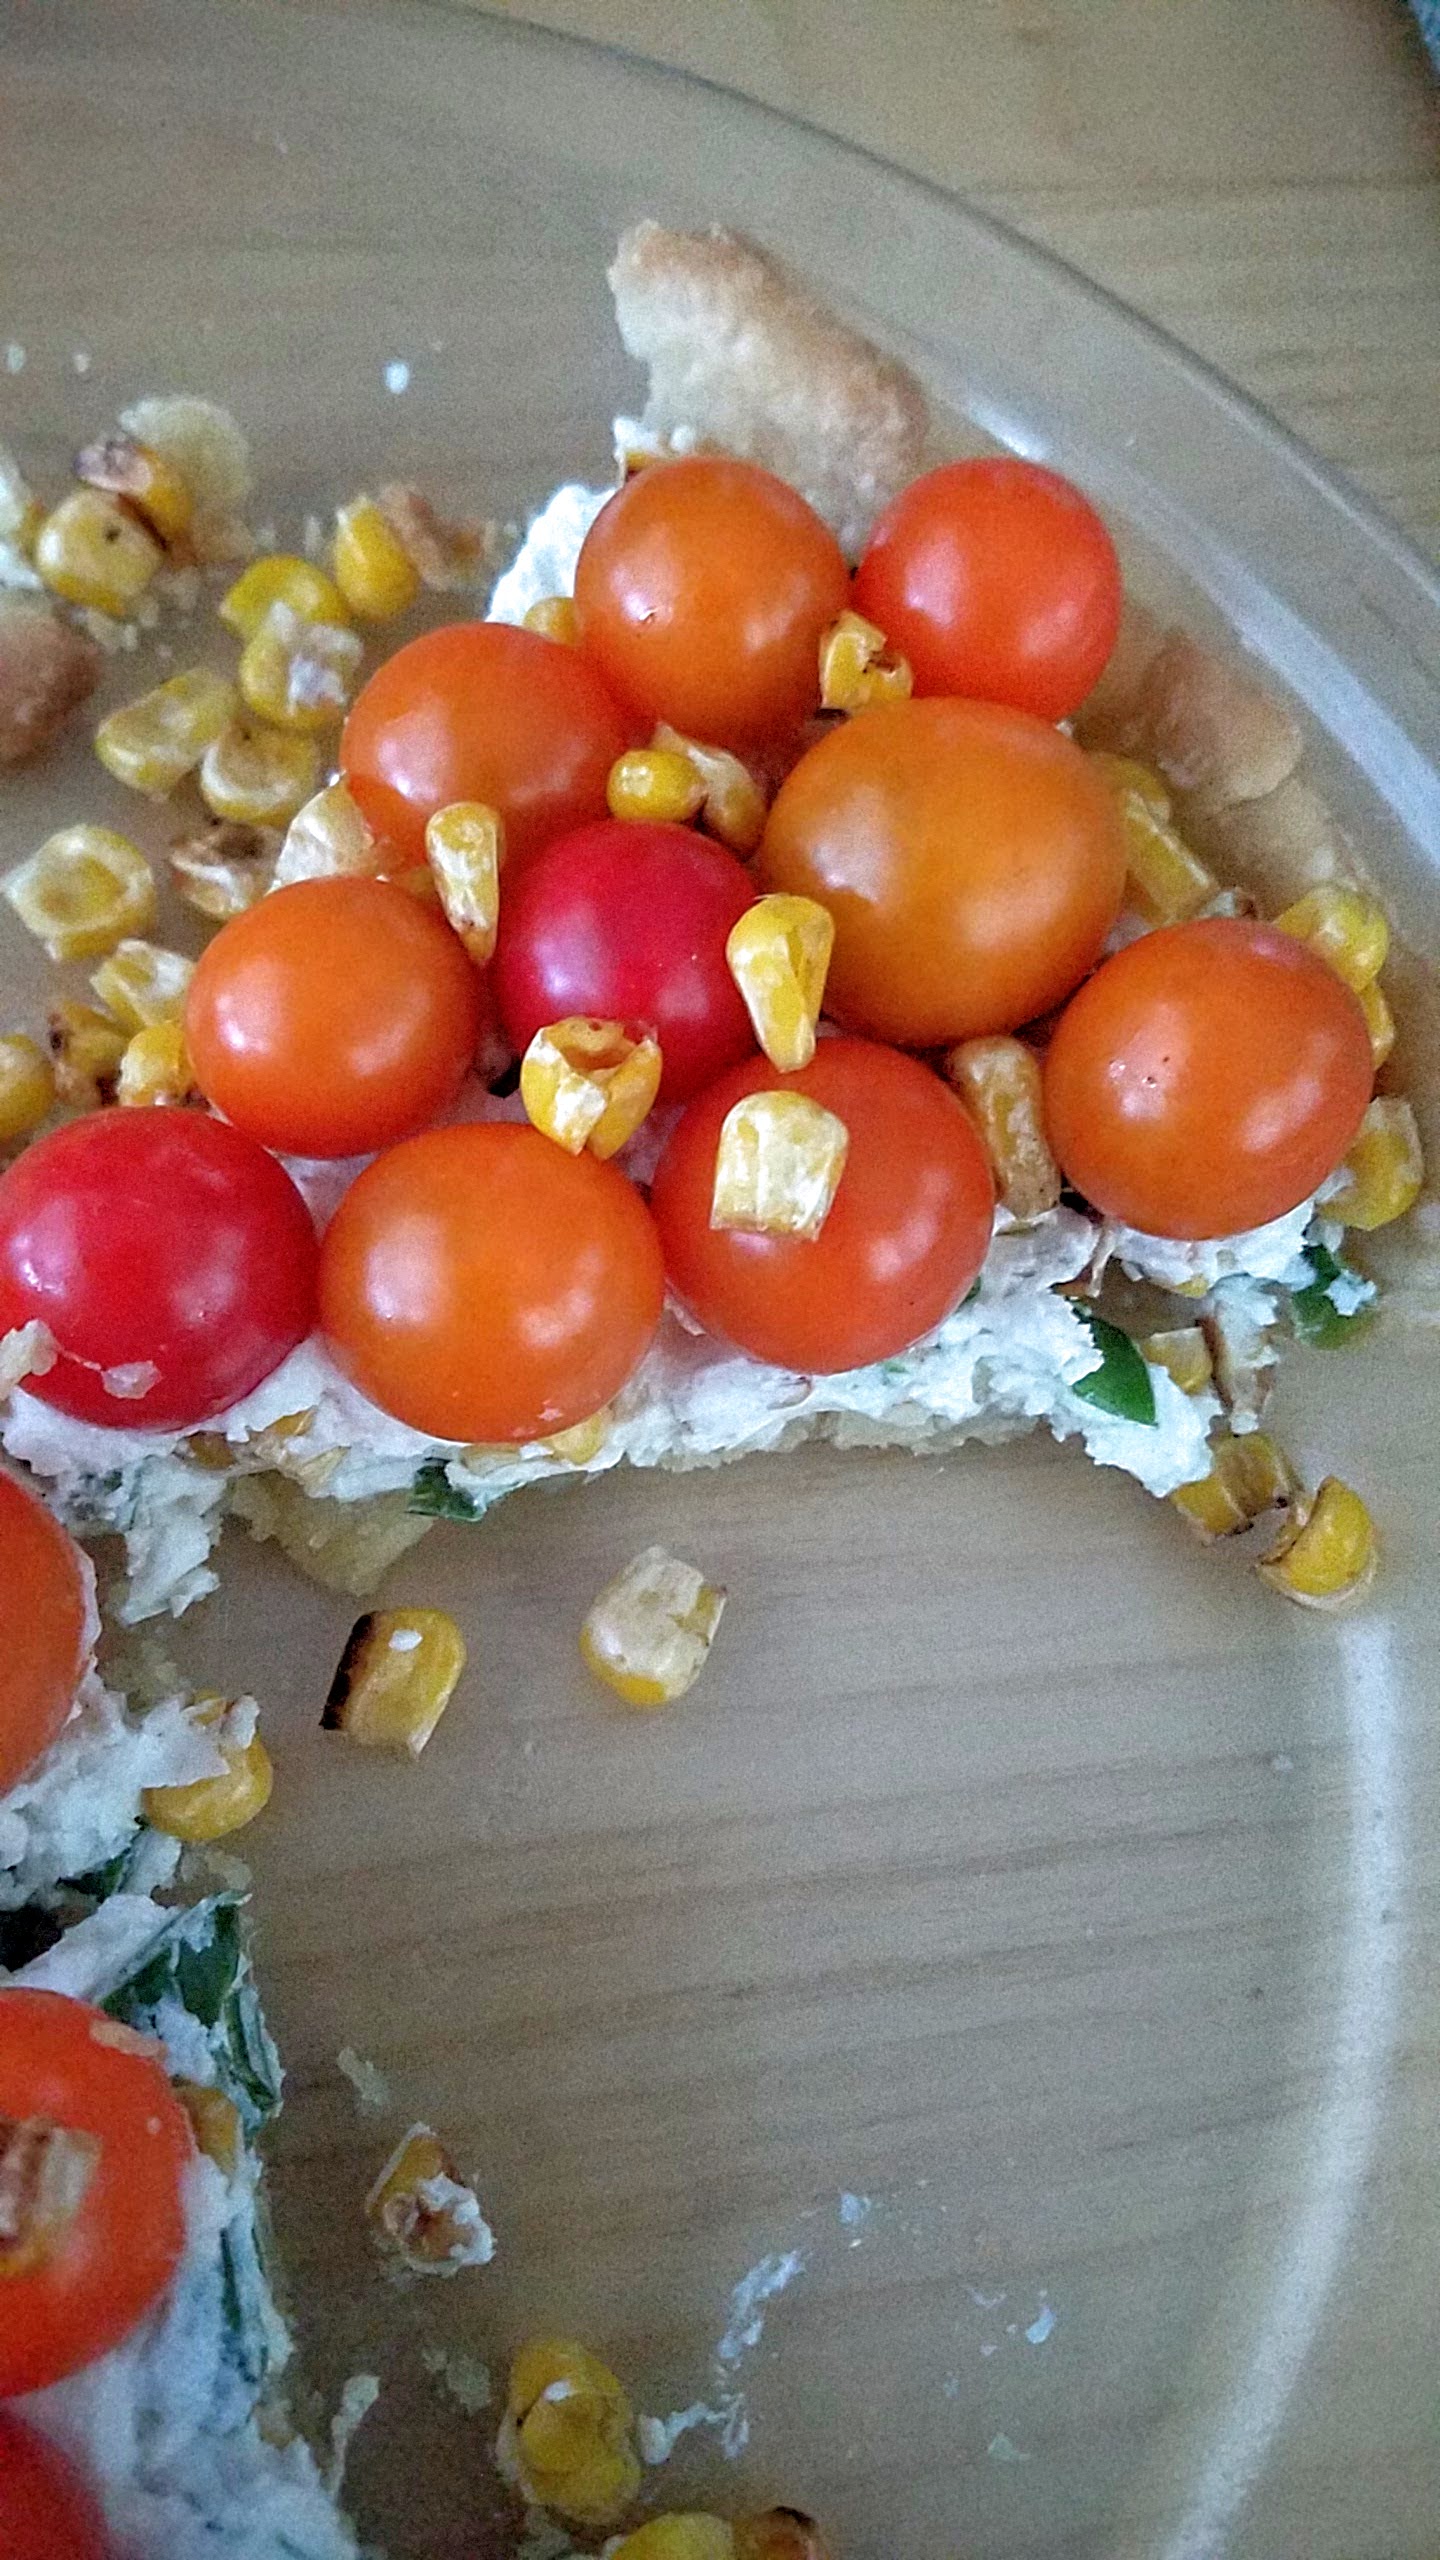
1313, 1311
200, 1962
1122, 1384
433, 1494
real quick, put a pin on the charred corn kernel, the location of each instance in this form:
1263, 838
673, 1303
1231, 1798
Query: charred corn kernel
1345, 927
86, 1047
648, 1634
1379, 1021
734, 805
858, 667
422, 2209
156, 1068
373, 570
153, 742
328, 839
780, 2533
83, 892
225, 867
778, 1165
555, 618
214, 2121
1325, 1555
1165, 881
209, 1808
258, 776
464, 848
147, 480
397, 1676
1249, 1475
678, 2537
92, 551
589, 1084
998, 1080
568, 2434
655, 783
280, 577
27, 1086
779, 957
1125, 776
299, 673
584, 1440
1384, 1171
1184, 1355
142, 983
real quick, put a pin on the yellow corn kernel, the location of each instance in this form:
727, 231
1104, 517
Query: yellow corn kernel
83, 891
858, 667
1165, 882
27, 1086
1326, 1553
299, 674
778, 1165
678, 2537
655, 783
209, 1808
779, 957
734, 805
86, 1047
280, 577
568, 2433
397, 1676
214, 2121
1249, 1475
998, 1080
584, 1440
329, 839
424, 2211
259, 776
446, 551
1345, 927
373, 570
649, 1632
1384, 1170
141, 983
145, 479
464, 849
555, 618
589, 1084
92, 551
156, 1068
1126, 776
1184, 1354
153, 742
224, 867
1379, 1021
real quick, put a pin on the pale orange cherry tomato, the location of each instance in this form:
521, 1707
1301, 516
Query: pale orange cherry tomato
45, 1620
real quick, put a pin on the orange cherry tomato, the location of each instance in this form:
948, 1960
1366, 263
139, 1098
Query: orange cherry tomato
1207, 1079
46, 2511
703, 588
46, 1614
970, 855
480, 1284
481, 711
906, 1234
333, 1018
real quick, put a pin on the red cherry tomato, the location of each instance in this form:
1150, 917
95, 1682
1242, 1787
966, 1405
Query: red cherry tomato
703, 588
154, 1241
907, 1231
47, 1604
998, 580
96, 2271
629, 922
480, 1284
971, 857
46, 2511
1206, 1079
481, 711
333, 1018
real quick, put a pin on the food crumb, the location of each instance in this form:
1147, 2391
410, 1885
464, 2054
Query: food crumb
397, 374
1001, 2449
357, 2398
366, 2078
465, 2377
658, 2437
82, 360
14, 358
1042, 2325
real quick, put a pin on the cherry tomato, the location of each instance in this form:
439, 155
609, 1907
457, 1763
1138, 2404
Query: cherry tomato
1207, 1079
154, 1242
703, 588
907, 1231
629, 922
333, 1018
95, 2270
998, 580
971, 857
480, 1284
46, 2511
47, 1610
481, 711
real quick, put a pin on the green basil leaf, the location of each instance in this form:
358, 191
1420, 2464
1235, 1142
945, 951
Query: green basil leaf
1122, 1384
1313, 1311
433, 1494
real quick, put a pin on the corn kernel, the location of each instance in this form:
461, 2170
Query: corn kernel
145, 479
27, 1086
677, 2537
329, 839
649, 1632
779, 957
1125, 776
778, 1165
1249, 1475
214, 2121
1384, 1170
447, 552
734, 805
225, 867
397, 1676
1344, 927
1379, 1021
86, 1047
1326, 1554
92, 551
1165, 881
141, 983
584, 1440
858, 667
568, 2433
373, 570
780, 2533
1184, 1354
589, 1084
555, 618
210, 1808
998, 1080
156, 1068
655, 783
259, 776
299, 674
464, 849
153, 742
83, 892
280, 577
424, 2211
